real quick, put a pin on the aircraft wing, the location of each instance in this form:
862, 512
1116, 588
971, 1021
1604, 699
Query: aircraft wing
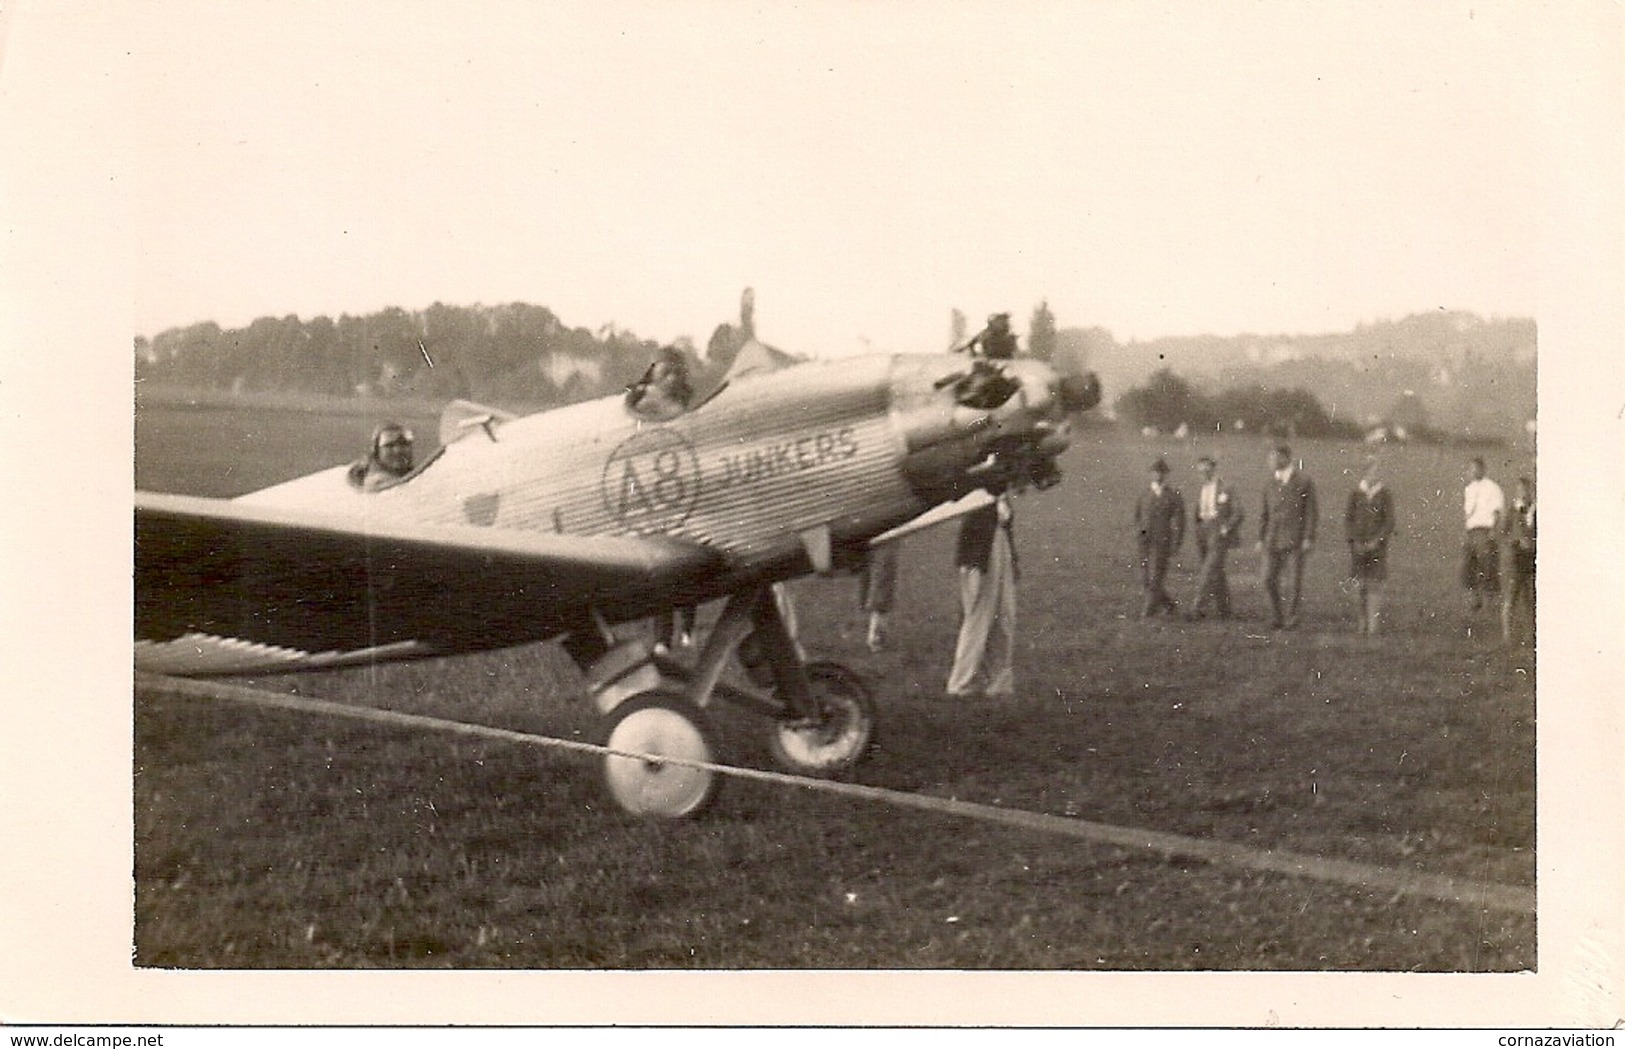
221, 587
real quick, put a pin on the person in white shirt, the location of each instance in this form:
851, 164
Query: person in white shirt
1218, 517
1483, 506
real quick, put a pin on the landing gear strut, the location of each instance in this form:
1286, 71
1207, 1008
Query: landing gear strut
822, 714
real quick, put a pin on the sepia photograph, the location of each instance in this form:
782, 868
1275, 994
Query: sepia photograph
891, 513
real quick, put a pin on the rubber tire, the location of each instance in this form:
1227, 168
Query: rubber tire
661, 723
814, 752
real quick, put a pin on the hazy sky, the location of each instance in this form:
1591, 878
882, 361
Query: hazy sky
1151, 168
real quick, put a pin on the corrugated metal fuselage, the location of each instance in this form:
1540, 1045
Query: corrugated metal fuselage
767, 459
776, 475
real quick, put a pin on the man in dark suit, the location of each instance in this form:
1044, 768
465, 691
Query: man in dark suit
1217, 516
1286, 534
1159, 519
1368, 524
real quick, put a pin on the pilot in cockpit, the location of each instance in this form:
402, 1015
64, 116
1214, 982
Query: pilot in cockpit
389, 459
985, 386
995, 342
664, 392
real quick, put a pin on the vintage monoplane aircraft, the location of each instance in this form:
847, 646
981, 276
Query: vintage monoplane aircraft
572, 522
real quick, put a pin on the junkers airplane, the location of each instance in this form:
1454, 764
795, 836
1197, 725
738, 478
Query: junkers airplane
571, 522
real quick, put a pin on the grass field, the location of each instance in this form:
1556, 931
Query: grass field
270, 839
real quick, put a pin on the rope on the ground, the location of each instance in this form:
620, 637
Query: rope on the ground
1173, 846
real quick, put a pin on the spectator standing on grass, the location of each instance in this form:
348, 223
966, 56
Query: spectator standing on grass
1483, 507
1217, 516
1159, 524
1286, 534
388, 460
1368, 523
1518, 601
984, 653
878, 591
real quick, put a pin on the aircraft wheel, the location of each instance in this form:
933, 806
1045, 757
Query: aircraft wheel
662, 724
834, 742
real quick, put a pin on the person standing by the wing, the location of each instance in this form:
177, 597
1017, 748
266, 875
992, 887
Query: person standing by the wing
877, 591
985, 650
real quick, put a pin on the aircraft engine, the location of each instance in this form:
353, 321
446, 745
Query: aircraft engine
978, 423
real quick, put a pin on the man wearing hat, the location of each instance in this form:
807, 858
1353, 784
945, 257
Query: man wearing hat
1159, 518
1286, 534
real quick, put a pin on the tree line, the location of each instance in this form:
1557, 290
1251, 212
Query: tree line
1475, 376
1166, 403
1169, 404
1462, 374
515, 353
